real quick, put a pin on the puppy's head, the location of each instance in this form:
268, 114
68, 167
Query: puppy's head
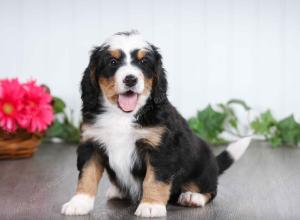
125, 71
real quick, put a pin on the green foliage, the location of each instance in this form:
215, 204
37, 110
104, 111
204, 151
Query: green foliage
283, 132
210, 124
289, 130
264, 124
64, 129
231, 123
58, 105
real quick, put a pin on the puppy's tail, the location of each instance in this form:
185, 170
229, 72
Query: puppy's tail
232, 153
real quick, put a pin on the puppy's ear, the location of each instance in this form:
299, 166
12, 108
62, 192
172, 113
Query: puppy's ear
160, 85
90, 92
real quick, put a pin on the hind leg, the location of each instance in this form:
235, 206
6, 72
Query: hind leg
192, 196
201, 189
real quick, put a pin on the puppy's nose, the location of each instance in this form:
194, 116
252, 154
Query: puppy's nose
130, 80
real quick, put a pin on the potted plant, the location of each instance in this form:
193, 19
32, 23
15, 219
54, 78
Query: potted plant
25, 114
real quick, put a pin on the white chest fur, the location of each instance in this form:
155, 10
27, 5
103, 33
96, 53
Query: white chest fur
116, 131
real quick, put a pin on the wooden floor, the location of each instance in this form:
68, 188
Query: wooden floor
264, 184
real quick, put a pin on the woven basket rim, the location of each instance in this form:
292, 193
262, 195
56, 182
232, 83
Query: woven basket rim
19, 134
19, 144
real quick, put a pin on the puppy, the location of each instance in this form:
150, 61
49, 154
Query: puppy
131, 130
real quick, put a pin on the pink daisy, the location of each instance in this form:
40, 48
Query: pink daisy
11, 106
38, 107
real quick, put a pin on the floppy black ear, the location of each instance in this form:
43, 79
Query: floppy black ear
160, 85
90, 91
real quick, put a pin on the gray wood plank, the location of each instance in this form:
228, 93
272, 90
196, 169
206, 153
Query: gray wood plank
264, 184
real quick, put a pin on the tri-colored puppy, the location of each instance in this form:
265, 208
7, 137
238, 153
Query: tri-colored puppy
131, 130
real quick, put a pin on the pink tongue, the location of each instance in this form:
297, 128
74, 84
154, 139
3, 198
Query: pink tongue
127, 102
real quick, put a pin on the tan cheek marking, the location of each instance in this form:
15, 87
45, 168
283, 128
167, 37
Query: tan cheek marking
152, 135
115, 53
140, 54
91, 174
148, 86
190, 187
154, 191
108, 88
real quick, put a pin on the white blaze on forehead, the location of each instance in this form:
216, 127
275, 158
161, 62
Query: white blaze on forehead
127, 43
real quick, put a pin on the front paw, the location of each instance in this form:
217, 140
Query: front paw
151, 210
80, 204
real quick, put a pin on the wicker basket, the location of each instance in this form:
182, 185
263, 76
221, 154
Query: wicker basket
19, 144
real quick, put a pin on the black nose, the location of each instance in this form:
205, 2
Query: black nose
130, 80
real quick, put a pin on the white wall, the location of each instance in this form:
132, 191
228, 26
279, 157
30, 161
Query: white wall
213, 50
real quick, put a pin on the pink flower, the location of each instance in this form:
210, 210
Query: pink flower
11, 106
26, 106
38, 109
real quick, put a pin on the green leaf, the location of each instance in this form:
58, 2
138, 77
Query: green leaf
275, 141
264, 123
231, 117
233, 122
55, 130
289, 130
284, 132
209, 124
63, 130
59, 105
72, 133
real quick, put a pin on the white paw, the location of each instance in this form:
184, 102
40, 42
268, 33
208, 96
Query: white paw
80, 204
192, 199
114, 193
151, 210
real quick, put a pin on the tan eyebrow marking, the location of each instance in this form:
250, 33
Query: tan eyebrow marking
115, 53
140, 54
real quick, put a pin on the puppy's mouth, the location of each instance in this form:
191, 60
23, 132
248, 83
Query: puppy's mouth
127, 101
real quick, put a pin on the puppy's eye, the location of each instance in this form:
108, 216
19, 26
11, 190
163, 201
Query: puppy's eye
113, 61
143, 61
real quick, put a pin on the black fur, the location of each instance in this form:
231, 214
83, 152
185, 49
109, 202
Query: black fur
91, 94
